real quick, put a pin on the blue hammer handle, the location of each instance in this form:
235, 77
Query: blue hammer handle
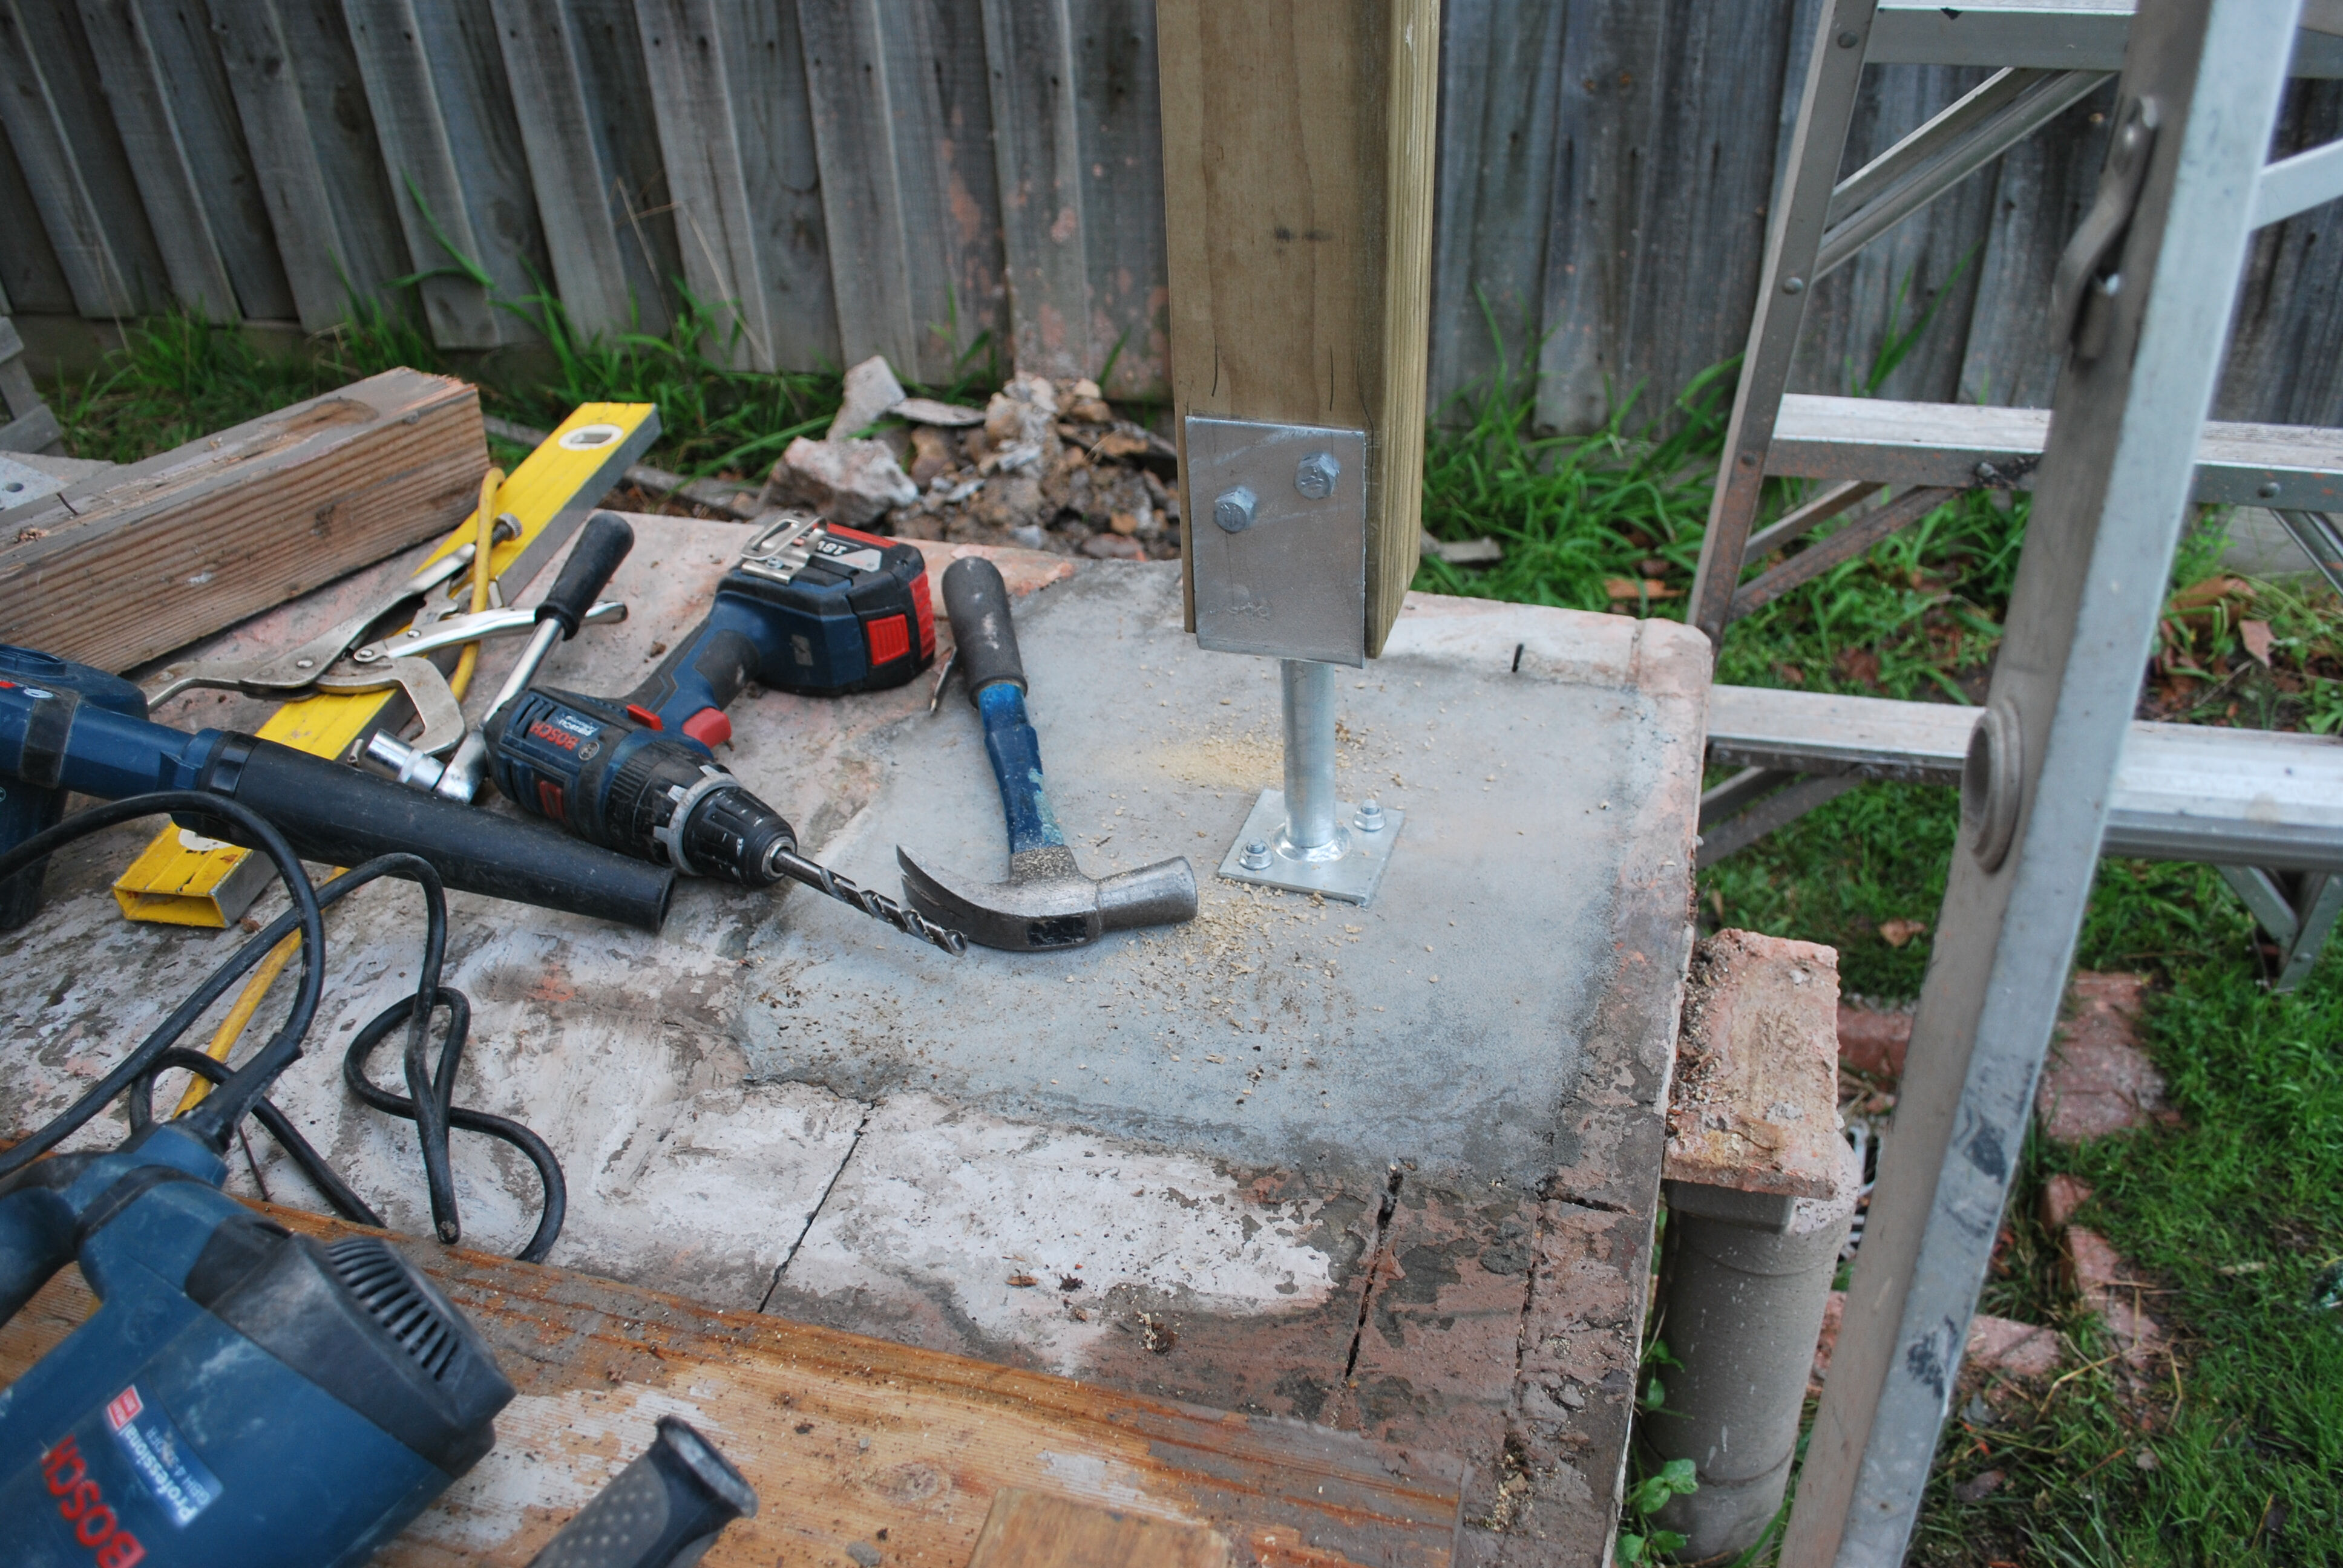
978, 602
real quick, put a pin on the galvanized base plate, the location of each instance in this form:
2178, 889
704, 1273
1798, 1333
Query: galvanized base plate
1353, 878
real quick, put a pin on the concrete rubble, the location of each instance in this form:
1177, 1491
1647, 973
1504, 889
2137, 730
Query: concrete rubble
871, 394
852, 482
1047, 465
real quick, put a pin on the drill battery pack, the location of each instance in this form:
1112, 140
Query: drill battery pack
809, 608
853, 607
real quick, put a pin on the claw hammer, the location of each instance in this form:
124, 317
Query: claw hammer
1046, 902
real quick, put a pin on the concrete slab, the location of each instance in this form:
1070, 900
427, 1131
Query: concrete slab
1297, 1174
1441, 1025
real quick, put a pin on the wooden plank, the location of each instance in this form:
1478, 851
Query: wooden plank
849, 88
2043, 187
609, 54
158, 159
683, 46
1298, 203
128, 565
902, 131
2286, 336
1037, 142
302, 103
1608, 107
184, 53
1805, 15
1116, 86
476, 110
765, 74
1851, 314
843, 1437
1501, 70
31, 280
1034, 1530
73, 159
286, 173
397, 64
548, 100
18, 396
1700, 236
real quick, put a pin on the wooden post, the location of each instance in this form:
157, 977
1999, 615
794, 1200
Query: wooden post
1297, 179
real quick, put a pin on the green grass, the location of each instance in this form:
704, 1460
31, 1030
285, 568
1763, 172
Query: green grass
177, 377
2238, 1211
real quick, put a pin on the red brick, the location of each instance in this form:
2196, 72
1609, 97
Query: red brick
2061, 1196
2097, 1080
1873, 1042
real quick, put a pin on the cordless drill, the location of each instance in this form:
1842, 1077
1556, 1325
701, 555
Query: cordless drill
807, 608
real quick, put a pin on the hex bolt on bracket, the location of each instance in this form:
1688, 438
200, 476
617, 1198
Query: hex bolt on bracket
1300, 837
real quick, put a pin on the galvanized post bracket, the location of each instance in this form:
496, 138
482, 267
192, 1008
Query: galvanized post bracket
1279, 545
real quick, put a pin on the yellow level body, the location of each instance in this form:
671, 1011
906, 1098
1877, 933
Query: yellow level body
183, 879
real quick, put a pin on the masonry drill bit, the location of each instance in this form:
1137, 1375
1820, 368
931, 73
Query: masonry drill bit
876, 905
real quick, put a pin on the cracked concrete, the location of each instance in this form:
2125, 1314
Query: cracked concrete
778, 1100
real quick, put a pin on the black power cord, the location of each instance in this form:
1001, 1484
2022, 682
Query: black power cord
242, 1091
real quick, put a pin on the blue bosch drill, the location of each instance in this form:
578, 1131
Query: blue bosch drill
244, 1397
809, 606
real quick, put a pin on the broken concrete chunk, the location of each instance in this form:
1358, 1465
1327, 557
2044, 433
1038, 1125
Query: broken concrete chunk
928, 411
933, 454
1756, 1103
871, 394
852, 482
1113, 547
1023, 413
1481, 552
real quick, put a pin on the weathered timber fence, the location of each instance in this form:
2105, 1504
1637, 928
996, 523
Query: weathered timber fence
845, 177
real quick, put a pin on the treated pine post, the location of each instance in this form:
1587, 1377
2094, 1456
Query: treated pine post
1298, 175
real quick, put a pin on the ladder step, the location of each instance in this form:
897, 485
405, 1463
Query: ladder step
2048, 35
2184, 792
2294, 466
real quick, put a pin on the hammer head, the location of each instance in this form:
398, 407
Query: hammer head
1047, 902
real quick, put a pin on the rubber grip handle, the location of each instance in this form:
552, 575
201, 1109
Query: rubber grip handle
599, 549
340, 816
978, 602
706, 670
665, 1509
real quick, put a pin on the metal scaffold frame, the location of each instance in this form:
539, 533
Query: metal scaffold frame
2055, 771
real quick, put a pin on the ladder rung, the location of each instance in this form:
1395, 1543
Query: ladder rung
2050, 34
2184, 792
1887, 443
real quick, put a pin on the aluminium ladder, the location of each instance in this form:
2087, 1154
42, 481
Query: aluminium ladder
2052, 54
2054, 768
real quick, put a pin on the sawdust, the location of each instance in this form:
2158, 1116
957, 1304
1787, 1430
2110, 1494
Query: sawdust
1225, 760
1254, 759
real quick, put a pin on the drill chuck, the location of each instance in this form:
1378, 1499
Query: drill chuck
595, 768
582, 763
